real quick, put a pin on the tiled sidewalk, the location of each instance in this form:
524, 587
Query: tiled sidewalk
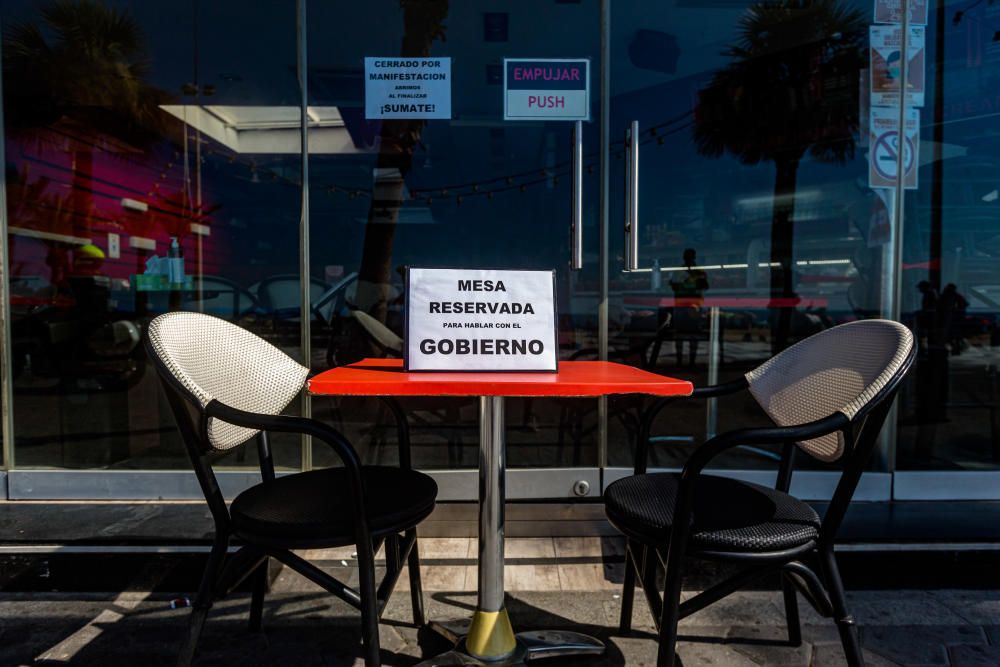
553, 583
532, 563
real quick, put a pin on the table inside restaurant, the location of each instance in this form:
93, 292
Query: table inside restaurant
490, 637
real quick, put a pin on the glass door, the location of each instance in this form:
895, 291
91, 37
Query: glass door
467, 189
949, 417
741, 219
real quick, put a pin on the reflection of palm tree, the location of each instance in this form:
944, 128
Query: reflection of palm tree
84, 62
422, 25
792, 88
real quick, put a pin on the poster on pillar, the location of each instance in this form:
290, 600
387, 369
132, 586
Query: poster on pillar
546, 89
485, 320
885, 145
886, 65
891, 11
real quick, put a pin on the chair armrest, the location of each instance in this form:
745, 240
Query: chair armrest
723, 389
326, 434
761, 436
289, 424
650, 414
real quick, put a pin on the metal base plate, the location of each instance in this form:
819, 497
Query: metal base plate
531, 645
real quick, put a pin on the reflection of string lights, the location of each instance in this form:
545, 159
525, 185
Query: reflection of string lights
489, 188
520, 181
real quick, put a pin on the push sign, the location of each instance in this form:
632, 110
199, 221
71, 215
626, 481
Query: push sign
480, 320
546, 89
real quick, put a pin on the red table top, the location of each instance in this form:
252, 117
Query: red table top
727, 302
386, 377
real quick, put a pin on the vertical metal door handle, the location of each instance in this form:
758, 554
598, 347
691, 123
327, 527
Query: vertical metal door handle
576, 227
632, 196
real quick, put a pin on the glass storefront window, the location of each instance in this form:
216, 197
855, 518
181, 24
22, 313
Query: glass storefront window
950, 273
128, 125
136, 133
474, 190
754, 211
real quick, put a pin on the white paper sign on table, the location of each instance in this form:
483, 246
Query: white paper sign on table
480, 320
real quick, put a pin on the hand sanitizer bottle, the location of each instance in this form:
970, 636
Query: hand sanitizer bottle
175, 263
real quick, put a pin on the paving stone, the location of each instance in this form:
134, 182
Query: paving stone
992, 634
901, 608
744, 608
306, 628
768, 645
638, 651
973, 655
826, 633
642, 618
529, 547
832, 655
979, 607
590, 577
710, 654
919, 644
532, 609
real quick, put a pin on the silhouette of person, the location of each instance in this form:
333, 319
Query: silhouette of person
953, 307
927, 315
689, 294
932, 329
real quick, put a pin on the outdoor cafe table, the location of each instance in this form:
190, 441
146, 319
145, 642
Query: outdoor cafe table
490, 637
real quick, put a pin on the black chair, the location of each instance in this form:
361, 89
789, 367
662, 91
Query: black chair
829, 395
225, 386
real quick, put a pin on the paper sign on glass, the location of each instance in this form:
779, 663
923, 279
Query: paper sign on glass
480, 320
407, 88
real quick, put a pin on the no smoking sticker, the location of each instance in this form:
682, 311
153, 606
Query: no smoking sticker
886, 144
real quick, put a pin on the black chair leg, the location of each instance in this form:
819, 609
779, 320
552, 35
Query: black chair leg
369, 605
257, 601
791, 611
203, 601
667, 654
628, 593
838, 599
416, 589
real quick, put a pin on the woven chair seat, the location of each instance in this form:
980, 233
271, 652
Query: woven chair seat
314, 507
729, 515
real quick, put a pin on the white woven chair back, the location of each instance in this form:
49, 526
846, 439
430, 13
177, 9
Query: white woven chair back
215, 359
838, 370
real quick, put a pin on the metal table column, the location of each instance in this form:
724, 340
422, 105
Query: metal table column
490, 639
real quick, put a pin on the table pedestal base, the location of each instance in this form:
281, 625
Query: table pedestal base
488, 638
527, 646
